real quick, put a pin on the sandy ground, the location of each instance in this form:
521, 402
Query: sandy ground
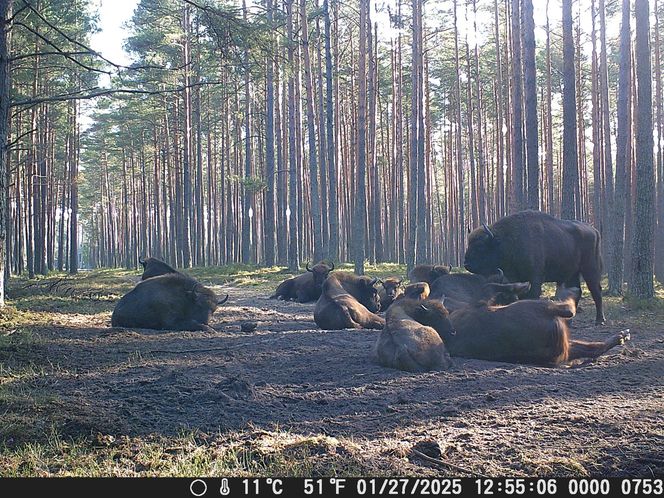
605, 418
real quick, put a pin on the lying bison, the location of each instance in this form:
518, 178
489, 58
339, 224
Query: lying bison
390, 289
304, 288
408, 341
531, 331
535, 247
465, 289
418, 290
153, 267
348, 301
167, 302
428, 273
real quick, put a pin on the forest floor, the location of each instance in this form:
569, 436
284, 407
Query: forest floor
80, 398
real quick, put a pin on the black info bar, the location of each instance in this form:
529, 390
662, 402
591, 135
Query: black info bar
331, 486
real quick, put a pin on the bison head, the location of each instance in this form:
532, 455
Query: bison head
368, 294
483, 252
320, 272
205, 299
434, 314
392, 287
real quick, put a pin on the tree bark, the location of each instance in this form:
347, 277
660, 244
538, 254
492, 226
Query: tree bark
641, 283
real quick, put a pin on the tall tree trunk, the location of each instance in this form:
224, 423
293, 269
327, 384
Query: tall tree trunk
269, 150
422, 255
333, 254
517, 114
311, 133
248, 195
552, 209
659, 250
359, 235
294, 248
616, 260
530, 84
607, 172
570, 157
641, 283
5, 87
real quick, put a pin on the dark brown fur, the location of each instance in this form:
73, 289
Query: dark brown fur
304, 288
535, 247
167, 302
530, 331
348, 301
464, 289
428, 273
408, 341
390, 290
153, 267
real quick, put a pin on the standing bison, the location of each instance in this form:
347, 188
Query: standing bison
409, 341
167, 302
348, 302
304, 288
531, 331
153, 267
535, 247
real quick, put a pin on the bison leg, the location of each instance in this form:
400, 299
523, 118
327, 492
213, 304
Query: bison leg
535, 290
585, 349
595, 288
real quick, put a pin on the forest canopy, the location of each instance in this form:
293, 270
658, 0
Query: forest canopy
279, 132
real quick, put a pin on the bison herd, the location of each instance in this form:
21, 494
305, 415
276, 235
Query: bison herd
493, 313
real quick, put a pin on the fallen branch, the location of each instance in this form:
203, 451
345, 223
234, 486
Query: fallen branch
442, 463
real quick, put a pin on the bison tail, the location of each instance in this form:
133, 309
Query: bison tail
560, 343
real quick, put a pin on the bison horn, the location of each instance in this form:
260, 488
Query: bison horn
307, 267
223, 300
332, 263
501, 274
424, 307
488, 230
442, 299
141, 260
373, 281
